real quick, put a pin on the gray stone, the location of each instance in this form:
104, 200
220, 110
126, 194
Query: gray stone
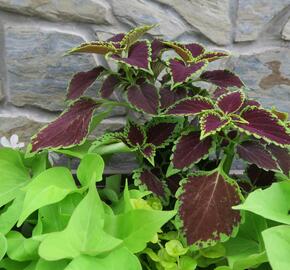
1, 91
24, 127
38, 73
211, 18
255, 15
110, 124
286, 31
267, 74
136, 13
92, 11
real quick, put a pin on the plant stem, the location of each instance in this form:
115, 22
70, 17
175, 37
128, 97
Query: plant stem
230, 154
112, 148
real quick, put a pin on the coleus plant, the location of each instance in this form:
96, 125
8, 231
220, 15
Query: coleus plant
190, 125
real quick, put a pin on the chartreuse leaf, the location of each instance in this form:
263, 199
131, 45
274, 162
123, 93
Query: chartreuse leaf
13, 178
118, 259
224, 267
47, 265
55, 217
47, 188
21, 248
187, 263
278, 210
9, 264
246, 250
10, 217
12, 156
3, 246
277, 243
90, 169
214, 252
84, 233
138, 224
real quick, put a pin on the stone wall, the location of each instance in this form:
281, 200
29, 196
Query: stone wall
34, 34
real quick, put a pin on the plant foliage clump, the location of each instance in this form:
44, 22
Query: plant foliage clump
182, 208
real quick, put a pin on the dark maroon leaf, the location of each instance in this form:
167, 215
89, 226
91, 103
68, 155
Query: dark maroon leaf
144, 97
283, 116
69, 129
135, 134
81, 81
263, 124
189, 149
260, 177
157, 47
250, 102
231, 102
116, 38
182, 72
161, 132
149, 152
256, 153
169, 97
151, 181
206, 208
211, 122
282, 155
195, 49
173, 183
190, 106
219, 91
109, 85
212, 56
222, 78
138, 56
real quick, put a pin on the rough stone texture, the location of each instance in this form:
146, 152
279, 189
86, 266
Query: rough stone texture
34, 75
22, 126
210, 17
255, 15
140, 12
286, 31
1, 91
92, 11
267, 74
37, 73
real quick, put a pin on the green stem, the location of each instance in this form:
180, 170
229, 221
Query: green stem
229, 157
112, 148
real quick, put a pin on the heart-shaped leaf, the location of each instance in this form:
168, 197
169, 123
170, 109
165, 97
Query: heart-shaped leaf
83, 235
277, 243
278, 210
49, 187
